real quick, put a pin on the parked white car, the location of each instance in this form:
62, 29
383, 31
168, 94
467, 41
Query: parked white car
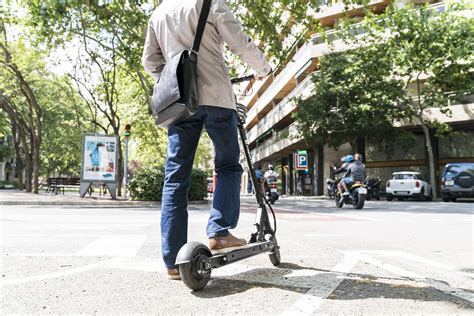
408, 184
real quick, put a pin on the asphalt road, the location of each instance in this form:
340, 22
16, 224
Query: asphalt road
395, 258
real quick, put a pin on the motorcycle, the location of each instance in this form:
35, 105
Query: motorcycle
331, 188
272, 189
373, 189
356, 196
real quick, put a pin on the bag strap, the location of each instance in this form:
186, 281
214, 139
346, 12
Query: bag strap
206, 7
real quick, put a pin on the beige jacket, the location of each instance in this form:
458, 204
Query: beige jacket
171, 30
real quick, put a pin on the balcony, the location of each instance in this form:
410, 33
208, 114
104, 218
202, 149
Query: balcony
278, 144
282, 110
284, 83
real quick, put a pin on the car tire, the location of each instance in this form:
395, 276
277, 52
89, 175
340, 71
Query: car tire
453, 199
445, 199
421, 196
389, 197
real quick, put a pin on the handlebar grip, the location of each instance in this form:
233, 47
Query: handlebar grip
242, 79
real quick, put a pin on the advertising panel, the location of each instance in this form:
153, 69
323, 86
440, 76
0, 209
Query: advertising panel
99, 158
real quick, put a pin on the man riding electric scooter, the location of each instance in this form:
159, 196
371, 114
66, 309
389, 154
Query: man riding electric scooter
171, 29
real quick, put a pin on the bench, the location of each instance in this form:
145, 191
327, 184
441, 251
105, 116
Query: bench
58, 184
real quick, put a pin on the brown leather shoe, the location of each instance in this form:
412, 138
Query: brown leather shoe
173, 274
229, 241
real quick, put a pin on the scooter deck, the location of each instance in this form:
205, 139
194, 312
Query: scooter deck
229, 250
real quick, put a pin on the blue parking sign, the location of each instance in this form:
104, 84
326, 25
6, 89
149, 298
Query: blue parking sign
301, 160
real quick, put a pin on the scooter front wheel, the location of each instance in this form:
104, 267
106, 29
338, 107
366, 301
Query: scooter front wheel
194, 273
274, 256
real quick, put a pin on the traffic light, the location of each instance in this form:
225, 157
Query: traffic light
127, 130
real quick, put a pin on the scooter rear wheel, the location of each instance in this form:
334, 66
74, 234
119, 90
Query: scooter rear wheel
192, 273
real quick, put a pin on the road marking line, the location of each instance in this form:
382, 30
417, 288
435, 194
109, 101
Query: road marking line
114, 246
335, 235
23, 235
318, 294
427, 261
439, 285
41, 254
53, 275
390, 268
406, 255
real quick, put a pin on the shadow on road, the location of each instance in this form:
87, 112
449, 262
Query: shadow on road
328, 284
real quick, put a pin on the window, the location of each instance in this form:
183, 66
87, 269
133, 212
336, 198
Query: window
404, 177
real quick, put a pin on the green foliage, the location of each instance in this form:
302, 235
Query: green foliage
352, 98
147, 185
6, 151
62, 126
431, 54
198, 185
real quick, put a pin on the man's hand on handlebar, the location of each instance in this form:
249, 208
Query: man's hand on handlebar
248, 78
258, 77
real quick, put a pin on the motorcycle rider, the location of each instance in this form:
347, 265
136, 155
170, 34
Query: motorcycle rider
343, 168
271, 172
270, 176
355, 172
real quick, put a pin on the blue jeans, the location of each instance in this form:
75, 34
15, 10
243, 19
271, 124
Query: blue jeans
348, 181
183, 139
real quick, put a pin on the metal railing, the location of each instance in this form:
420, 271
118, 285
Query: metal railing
290, 134
285, 107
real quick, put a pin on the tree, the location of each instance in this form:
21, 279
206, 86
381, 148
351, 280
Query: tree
32, 113
351, 99
5, 130
432, 56
64, 125
21, 142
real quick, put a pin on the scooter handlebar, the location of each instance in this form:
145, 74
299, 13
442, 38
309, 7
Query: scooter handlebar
242, 79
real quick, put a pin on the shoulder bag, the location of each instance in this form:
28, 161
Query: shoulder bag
175, 95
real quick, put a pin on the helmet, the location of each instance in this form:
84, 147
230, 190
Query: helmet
270, 167
349, 158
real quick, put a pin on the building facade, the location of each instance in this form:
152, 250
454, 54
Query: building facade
274, 138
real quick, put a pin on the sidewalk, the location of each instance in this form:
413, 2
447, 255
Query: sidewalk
15, 197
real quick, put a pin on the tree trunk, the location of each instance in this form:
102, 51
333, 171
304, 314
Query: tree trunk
29, 171
18, 157
431, 164
36, 166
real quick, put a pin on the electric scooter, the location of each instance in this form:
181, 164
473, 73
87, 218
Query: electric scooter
196, 261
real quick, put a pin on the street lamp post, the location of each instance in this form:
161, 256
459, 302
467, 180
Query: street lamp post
125, 163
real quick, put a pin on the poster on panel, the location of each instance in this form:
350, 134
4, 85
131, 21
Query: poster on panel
99, 158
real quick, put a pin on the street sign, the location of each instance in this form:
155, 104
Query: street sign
301, 160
